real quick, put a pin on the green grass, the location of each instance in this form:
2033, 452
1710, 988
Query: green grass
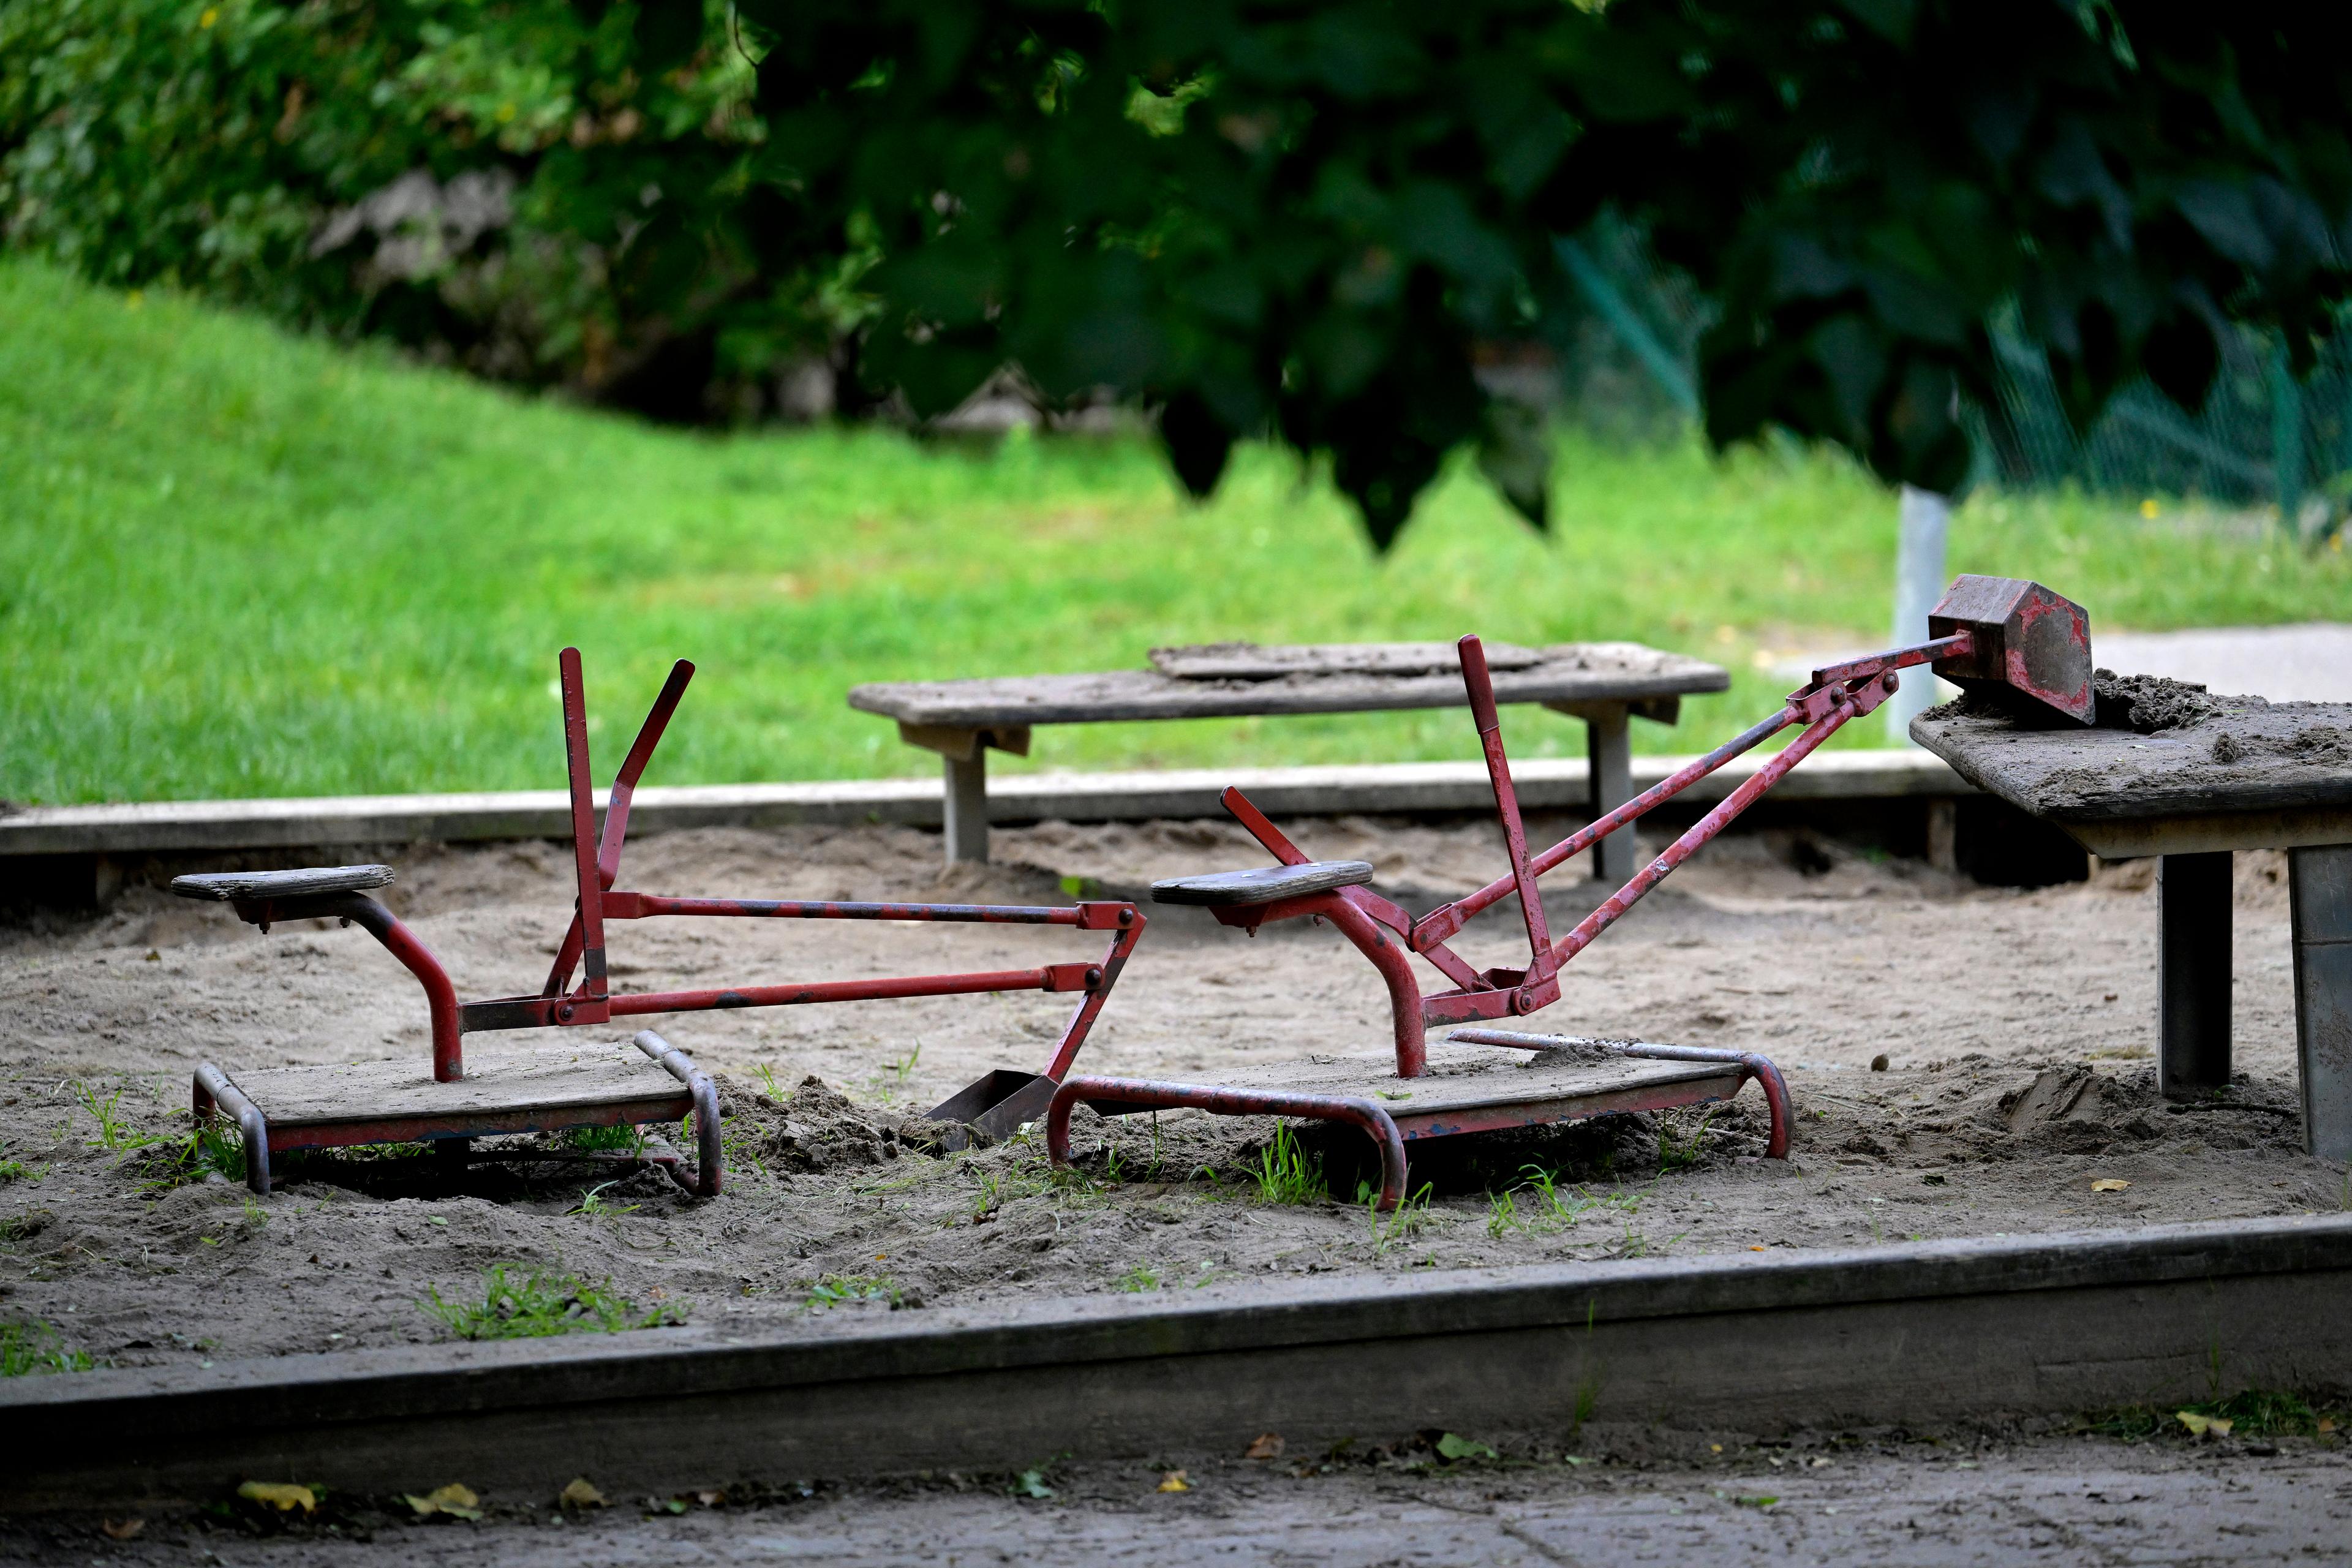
34, 1346
514, 1306
236, 562
1286, 1173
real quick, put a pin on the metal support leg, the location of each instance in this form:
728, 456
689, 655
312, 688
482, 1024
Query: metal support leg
2319, 893
1609, 745
967, 806
2193, 964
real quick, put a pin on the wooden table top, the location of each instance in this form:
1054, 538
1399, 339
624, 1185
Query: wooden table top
1563, 673
2227, 773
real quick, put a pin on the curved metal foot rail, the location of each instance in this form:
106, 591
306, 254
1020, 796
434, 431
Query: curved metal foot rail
1750, 1066
1160, 1095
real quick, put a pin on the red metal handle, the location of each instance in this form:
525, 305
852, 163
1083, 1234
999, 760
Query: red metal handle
1478, 684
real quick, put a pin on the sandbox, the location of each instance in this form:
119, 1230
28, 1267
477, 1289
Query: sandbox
2015, 1029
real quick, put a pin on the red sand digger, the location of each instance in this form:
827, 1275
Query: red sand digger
1994, 633
606, 1084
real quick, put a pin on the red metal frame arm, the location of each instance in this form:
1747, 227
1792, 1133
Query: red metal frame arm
1090, 1005
1376, 1124
1613, 908
440, 996
583, 835
1443, 921
633, 768
1480, 687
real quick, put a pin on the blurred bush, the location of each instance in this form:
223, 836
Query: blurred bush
543, 191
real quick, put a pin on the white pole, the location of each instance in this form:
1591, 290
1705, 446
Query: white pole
1926, 521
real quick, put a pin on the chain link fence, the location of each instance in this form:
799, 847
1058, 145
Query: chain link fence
2264, 438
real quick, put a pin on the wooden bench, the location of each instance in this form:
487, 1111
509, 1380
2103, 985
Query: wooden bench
1603, 684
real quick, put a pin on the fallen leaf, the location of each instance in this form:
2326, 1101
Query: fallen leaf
2199, 1425
2327, 1424
2221, 1426
1454, 1447
1268, 1447
2110, 1185
1759, 1501
456, 1499
710, 1498
122, 1528
580, 1494
1175, 1481
283, 1496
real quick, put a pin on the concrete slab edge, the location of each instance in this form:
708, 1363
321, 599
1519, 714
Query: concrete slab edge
1910, 1333
151, 827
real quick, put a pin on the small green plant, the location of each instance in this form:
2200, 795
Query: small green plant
1681, 1154
114, 1131
1031, 1482
213, 1145
17, 1171
2250, 1413
1452, 1449
768, 1084
834, 1290
34, 1346
624, 1138
1405, 1223
594, 1205
1502, 1214
899, 1073
537, 1305
1138, 1280
1286, 1173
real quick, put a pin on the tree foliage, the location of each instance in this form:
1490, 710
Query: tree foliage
1312, 216
546, 192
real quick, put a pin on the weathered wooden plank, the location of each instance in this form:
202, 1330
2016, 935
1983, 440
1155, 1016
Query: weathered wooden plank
1257, 661
1567, 672
1545, 783
557, 1077
2228, 756
1911, 1333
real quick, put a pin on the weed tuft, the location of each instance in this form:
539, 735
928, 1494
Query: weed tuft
835, 1289
537, 1306
623, 1138
1138, 1280
1676, 1153
34, 1346
1286, 1173
1410, 1218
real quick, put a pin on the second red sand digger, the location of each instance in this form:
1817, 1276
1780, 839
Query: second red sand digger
1989, 634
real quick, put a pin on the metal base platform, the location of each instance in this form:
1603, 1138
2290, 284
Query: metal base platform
510, 1090
1476, 1080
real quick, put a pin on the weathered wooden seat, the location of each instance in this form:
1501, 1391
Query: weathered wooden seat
1603, 684
1263, 884
233, 887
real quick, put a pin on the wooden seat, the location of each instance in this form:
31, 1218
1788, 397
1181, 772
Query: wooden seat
1263, 884
226, 887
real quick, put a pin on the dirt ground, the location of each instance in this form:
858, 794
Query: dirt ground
2016, 1025
1875, 1501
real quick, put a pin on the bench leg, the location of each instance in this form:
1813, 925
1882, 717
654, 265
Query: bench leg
2193, 964
2319, 893
1608, 745
967, 807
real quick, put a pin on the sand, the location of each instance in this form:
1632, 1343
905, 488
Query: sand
2016, 1025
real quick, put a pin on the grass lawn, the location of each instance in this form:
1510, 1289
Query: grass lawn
236, 563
